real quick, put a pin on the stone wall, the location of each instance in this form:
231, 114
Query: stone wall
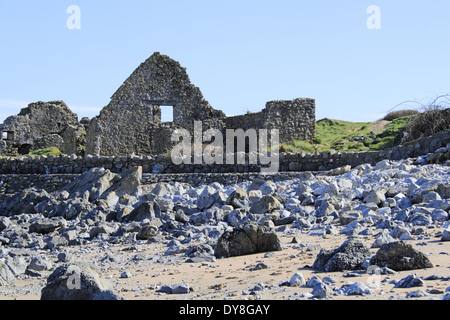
38, 126
50, 172
295, 119
131, 122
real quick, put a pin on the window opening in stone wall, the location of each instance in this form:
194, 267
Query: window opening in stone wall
8, 135
166, 113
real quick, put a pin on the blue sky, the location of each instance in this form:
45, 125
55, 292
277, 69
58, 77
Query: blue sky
240, 53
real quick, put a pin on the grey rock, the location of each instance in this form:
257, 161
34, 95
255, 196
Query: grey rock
313, 281
103, 228
446, 234
349, 216
237, 217
269, 187
200, 253
23, 202
95, 182
209, 197
45, 226
410, 282
17, 265
266, 204
6, 274
376, 197
71, 208
175, 289
56, 241
148, 231
65, 257
329, 280
417, 294
382, 238
439, 215
321, 291
353, 228
349, 256
420, 219
297, 280
259, 266
358, 288
431, 196
126, 190
5, 222
146, 210
399, 231
78, 281
161, 189
400, 256
40, 263
165, 204
239, 199
252, 238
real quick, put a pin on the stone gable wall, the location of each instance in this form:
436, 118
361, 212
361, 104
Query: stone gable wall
127, 124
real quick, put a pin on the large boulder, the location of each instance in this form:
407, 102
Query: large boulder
349, 256
251, 238
209, 197
46, 225
6, 274
23, 202
400, 256
266, 204
146, 210
95, 181
239, 199
126, 190
78, 281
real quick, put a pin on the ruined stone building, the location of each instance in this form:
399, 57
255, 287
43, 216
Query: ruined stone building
132, 123
41, 125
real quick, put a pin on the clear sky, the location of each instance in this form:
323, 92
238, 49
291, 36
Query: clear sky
240, 53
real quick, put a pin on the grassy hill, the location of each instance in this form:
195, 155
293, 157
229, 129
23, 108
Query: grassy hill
351, 136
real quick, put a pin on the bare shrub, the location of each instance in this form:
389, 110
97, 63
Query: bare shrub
434, 119
398, 114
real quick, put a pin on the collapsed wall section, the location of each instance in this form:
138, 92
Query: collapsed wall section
295, 119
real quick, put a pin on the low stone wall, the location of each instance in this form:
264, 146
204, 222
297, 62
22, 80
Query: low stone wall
51, 173
163, 164
12, 183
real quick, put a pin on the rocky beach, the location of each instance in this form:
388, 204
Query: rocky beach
372, 232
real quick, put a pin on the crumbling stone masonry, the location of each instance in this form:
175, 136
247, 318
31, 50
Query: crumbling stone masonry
40, 125
131, 122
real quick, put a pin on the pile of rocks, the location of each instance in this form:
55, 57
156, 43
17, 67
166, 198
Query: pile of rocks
393, 201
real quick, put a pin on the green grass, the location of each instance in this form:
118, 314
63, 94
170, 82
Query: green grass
350, 136
53, 151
